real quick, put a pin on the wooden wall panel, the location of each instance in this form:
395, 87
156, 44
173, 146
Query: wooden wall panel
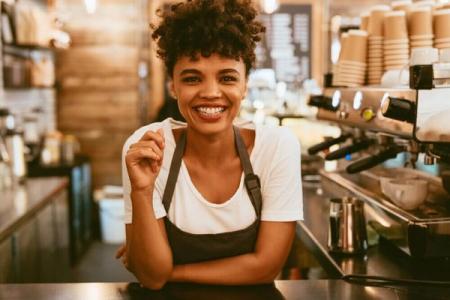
98, 60
98, 96
110, 82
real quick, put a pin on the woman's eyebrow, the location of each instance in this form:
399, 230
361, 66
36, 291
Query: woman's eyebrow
189, 71
228, 71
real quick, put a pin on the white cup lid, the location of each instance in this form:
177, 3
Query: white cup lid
357, 32
444, 55
397, 13
424, 56
380, 8
442, 12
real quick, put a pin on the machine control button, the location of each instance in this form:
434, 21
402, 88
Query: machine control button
368, 114
357, 100
398, 109
324, 102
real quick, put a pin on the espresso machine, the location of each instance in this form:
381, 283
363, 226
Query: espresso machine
377, 125
12, 150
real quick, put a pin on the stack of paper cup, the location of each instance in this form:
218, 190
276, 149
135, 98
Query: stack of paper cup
420, 27
351, 68
396, 42
364, 21
375, 44
441, 26
401, 5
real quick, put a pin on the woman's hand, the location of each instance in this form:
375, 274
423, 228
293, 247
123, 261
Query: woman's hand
122, 254
144, 160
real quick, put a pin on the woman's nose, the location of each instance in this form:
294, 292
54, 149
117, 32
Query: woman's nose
210, 90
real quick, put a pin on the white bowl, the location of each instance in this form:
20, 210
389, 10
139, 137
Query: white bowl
407, 193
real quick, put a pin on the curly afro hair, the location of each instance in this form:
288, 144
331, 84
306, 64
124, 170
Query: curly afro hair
225, 27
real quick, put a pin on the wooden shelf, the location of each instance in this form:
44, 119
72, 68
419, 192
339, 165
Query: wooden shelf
27, 88
27, 47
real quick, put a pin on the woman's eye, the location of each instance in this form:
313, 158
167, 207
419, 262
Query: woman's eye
229, 79
191, 79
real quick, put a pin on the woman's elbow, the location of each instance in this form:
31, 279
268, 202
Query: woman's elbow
155, 281
151, 277
269, 272
153, 284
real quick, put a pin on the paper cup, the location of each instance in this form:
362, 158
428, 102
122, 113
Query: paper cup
345, 48
357, 40
442, 46
396, 56
364, 21
399, 67
353, 63
375, 25
395, 25
420, 21
443, 40
396, 42
396, 47
441, 21
420, 37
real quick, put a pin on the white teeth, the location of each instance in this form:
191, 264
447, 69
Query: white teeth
210, 110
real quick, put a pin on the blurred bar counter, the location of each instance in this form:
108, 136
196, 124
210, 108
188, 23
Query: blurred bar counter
34, 231
79, 200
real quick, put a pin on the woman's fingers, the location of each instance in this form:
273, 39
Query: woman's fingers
148, 144
121, 251
139, 153
158, 137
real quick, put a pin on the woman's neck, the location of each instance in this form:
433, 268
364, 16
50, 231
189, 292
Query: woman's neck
210, 150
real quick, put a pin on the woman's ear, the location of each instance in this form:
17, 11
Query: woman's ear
171, 89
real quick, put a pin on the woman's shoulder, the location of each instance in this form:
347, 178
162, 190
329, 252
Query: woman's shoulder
276, 136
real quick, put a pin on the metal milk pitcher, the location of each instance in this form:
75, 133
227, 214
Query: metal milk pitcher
347, 229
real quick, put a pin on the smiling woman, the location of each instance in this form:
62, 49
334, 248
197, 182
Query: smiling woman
209, 201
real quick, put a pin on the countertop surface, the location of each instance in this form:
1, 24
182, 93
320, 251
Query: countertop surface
284, 289
379, 260
21, 202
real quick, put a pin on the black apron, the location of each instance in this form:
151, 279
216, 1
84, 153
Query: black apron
190, 248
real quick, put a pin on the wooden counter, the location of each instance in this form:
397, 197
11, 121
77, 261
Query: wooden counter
307, 289
34, 232
21, 203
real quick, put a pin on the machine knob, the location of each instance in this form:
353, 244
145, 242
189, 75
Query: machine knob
398, 109
324, 102
368, 114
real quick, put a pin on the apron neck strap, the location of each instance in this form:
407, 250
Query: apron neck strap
252, 182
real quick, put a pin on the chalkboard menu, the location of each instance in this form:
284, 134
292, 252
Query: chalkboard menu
286, 45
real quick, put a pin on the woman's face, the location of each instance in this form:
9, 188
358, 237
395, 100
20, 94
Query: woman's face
209, 91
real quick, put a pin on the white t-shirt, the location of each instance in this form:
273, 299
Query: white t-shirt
275, 159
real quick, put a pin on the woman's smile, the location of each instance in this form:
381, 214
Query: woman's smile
210, 113
209, 91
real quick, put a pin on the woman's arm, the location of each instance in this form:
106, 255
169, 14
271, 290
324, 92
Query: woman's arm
262, 266
148, 252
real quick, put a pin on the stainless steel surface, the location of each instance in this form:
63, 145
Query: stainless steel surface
423, 232
347, 226
360, 107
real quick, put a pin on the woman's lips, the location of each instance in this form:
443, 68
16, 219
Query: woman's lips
210, 113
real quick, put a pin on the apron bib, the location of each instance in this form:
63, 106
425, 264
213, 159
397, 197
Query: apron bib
191, 248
